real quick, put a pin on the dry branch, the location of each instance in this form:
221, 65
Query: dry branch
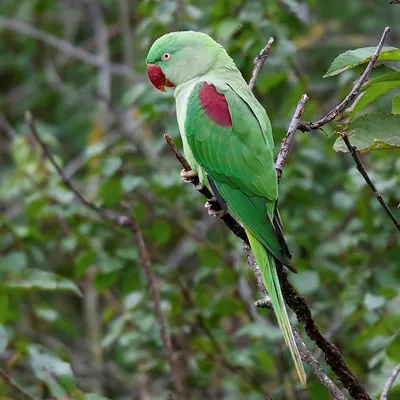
390, 382
288, 139
310, 126
65, 47
259, 62
10, 381
363, 172
308, 357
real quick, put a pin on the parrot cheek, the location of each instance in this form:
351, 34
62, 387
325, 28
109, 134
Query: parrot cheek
157, 77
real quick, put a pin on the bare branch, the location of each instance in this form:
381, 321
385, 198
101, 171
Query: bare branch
389, 383
288, 140
65, 47
333, 357
309, 126
126, 31
259, 62
119, 219
101, 40
165, 337
363, 172
10, 381
131, 224
315, 366
8, 128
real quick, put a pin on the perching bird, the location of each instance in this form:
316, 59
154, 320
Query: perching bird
227, 140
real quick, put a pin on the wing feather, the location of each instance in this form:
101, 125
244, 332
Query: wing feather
239, 160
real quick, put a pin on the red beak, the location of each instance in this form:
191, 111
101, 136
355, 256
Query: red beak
157, 77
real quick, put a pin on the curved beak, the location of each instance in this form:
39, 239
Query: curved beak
157, 77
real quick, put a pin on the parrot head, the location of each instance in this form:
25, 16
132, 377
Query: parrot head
178, 57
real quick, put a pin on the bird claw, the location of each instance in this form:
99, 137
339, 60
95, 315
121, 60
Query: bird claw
188, 176
214, 208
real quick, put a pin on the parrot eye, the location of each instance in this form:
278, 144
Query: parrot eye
165, 56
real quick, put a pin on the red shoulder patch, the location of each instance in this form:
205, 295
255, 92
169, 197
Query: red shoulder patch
215, 105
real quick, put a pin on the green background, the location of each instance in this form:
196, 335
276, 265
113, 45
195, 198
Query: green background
106, 126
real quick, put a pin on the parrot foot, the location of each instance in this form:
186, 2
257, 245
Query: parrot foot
264, 303
188, 176
214, 208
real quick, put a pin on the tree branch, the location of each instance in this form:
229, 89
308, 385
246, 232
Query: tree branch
309, 126
10, 381
130, 223
389, 383
65, 47
363, 172
288, 140
315, 366
259, 62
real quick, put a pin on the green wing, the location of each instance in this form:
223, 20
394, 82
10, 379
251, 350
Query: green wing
239, 159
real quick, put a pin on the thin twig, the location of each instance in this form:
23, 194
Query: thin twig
288, 140
218, 348
131, 224
309, 126
65, 47
389, 383
332, 354
119, 219
363, 172
101, 40
165, 337
10, 381
313, 363
259, 62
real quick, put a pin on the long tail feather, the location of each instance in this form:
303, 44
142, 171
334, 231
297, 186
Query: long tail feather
266, 262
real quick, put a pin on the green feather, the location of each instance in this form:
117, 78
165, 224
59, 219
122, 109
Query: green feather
268, 272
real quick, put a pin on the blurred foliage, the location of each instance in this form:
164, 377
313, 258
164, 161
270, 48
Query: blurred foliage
108, 137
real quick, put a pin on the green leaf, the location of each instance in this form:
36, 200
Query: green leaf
391, 76
374, 92
129, 253
95, 396
111, 191
111, 165
161, 231
375, 131
14, 261
352, 58
393, 350
396, 104
3, 338
4, 308
33, 279
372, 302
130, 182
56, 373
307, 282
227, 28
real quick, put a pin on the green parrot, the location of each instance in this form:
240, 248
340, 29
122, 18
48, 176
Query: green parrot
227, 139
